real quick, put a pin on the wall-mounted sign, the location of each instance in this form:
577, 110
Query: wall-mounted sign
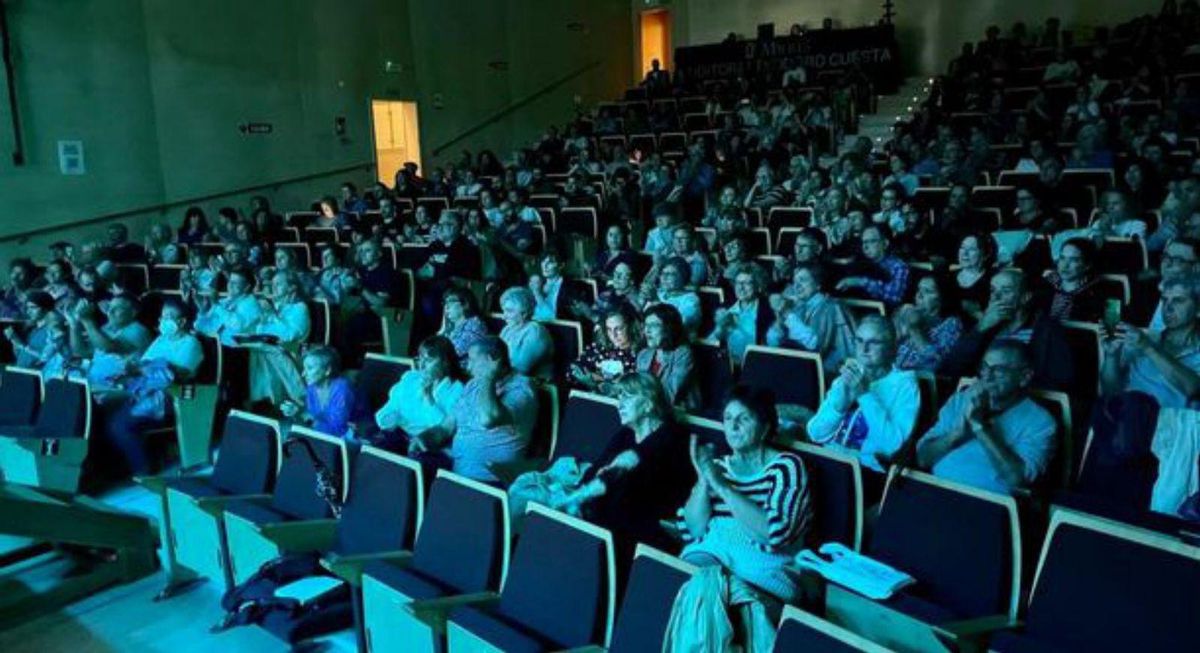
70, 158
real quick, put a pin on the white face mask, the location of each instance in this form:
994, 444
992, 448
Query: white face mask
168, 327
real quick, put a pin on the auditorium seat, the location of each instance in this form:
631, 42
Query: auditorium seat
836, 486
804, 632
712, 298
379, 520
763, 367
546, 427
860, 308
384, 507
167, 276
49, 454
580, 220
782, 217
714, 374
377, 376
963, 547
1084, 339
1123, 256
320, 323
435, 205
1101, 586
20, 396
655, 579
461, 555
295, 517
559, 594
249, 456
315, 237
568, 344
589, 421
196, 405
134, 278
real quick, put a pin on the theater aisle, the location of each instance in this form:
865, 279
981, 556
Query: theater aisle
125, 619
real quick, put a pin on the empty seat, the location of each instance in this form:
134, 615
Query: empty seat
802, 632
166, 276
963, 547
49, 454
714, 373
253, 527
589, 422
765, 366
836, 487
654, 581
581, 220
20, 396
1102, 586
245, 466
462, 550
568, 344
559, 594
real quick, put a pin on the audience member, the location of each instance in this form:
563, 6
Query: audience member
1011, 314
667, 356
750, 510
1163, 364
423, 397
611, 356
643, 474
871, 407
928, 328
992, 435
529, 346
807, 318
492, 421
330, 404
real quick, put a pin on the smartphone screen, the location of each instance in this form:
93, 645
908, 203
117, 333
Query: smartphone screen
1112, 313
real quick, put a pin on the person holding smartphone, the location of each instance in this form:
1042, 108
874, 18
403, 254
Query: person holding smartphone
1163, 364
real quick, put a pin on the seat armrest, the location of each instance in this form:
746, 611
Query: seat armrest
973, 629
349, 568
215, 505
307, 535
433, 612
508, 471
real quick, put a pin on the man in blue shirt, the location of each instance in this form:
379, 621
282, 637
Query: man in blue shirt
991, 435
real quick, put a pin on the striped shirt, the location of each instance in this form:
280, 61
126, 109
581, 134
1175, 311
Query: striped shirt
780, 489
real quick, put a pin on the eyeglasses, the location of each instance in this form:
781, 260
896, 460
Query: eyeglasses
873, 342
986, 369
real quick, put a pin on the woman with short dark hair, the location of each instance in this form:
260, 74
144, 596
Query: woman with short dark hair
668, 357
749, 510
1072, 287
461, 323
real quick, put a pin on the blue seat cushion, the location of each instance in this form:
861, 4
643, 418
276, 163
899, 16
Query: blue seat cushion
502, 633
921, 609
1010, 642
194, 487
408, 581
256, 513
18, 431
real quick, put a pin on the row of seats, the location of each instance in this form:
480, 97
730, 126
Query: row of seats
447, 567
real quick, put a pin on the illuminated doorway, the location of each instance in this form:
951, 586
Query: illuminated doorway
656, 38
397, 137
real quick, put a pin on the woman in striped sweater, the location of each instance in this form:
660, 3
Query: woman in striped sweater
749, 511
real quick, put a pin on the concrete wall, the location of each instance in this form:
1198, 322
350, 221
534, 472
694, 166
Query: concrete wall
930, 31
155, 89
